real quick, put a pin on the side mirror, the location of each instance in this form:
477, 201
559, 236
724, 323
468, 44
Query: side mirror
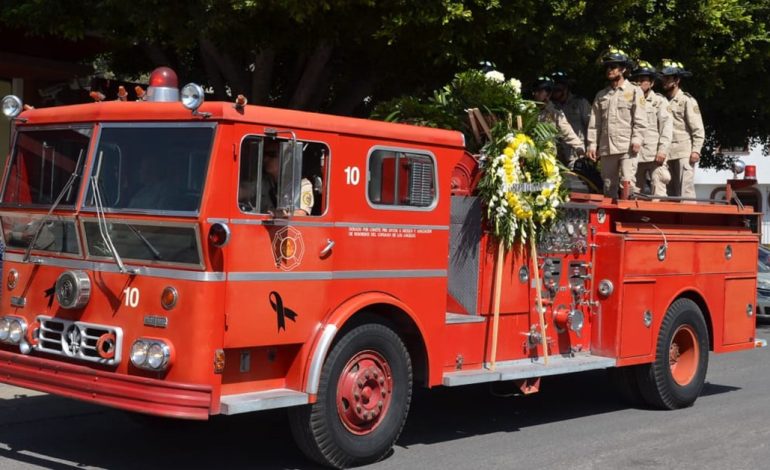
289, 178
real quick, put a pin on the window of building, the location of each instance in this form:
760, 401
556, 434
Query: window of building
401, 178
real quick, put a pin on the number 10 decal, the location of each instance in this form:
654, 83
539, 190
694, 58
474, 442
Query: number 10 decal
352, 175
131, 296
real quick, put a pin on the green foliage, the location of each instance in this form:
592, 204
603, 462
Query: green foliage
447, 107
392, 48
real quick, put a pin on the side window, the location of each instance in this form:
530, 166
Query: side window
399, 178
259, 174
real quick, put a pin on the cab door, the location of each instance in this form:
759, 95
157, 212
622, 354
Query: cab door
278, 265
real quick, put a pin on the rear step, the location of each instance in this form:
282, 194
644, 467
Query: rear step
258, 401
528, 368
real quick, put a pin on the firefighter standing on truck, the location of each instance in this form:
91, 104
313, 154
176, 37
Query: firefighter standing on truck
652, 158
689, 134
576, 109
570, 143
617, 125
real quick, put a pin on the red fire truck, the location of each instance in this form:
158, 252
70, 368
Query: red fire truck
187, 259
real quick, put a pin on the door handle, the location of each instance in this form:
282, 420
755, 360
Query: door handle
327, 249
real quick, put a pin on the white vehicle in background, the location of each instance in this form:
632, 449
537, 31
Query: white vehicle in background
763, 285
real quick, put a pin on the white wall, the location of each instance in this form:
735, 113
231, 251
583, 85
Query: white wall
706, 180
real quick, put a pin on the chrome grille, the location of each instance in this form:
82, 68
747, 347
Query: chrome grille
77, 340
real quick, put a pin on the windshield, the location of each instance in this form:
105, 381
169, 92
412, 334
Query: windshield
158, 168
43, 161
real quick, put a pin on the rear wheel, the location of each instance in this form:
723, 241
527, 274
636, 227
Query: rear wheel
362, 402
677, 376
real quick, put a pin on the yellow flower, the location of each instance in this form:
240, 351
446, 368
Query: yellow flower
540, 200
546, 192
508, 151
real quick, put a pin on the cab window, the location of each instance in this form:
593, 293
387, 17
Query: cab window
401, 178
259, 173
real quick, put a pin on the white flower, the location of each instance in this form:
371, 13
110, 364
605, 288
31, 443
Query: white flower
495, 76
515, 84
509, 138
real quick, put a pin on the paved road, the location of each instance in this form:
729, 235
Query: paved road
576, 422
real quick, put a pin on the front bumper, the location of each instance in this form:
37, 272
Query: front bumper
139, 394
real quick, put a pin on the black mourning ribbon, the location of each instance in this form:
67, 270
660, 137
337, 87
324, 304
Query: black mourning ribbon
281, 312
50, 294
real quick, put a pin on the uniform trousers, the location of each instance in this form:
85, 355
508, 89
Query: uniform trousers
682, 178
659, 177
616, 168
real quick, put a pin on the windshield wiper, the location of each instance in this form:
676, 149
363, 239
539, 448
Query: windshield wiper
150, 246
64, 190
101, 220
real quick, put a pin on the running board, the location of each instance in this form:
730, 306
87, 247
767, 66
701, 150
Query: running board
258, 401
527, 369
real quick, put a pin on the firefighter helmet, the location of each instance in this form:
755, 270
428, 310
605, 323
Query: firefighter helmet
644, 69
614, 55
670, 67
542, 83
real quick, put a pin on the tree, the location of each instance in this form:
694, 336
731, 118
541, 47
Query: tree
340, 56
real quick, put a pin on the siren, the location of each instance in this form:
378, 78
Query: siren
164, 85
750, 172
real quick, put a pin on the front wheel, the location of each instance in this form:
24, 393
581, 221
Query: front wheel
363, 399
677, 376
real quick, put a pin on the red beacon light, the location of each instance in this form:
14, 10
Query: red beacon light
750, 172
164, 85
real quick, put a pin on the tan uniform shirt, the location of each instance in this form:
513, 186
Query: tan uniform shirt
549, 113
577, 110
657, 139
689, 133
618, 120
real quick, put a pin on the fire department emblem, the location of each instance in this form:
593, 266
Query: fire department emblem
288, 248
72, 339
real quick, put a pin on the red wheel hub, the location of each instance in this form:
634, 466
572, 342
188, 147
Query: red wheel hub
364, 392
683, 355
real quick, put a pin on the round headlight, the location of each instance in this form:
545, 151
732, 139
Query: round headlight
73, 289
139, 353
13, 278
158, 356
12, 106
15, 331
192, 96
5, 327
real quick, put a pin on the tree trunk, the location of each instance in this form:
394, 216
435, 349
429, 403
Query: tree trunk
227, 67
311, 76
262, 76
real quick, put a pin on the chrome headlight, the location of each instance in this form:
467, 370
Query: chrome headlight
151, 354
12, 106
5, 329
192, 96
16, 330
12, 330
73, 289
139, 353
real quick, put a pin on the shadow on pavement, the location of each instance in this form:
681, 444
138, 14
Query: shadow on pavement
57, 433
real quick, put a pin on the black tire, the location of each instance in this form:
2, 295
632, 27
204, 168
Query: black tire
625, 382
323, 433
660, 383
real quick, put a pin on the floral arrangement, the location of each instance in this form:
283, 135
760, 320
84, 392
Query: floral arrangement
521, 183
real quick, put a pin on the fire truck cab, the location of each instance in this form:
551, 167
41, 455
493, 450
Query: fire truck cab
191, 259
